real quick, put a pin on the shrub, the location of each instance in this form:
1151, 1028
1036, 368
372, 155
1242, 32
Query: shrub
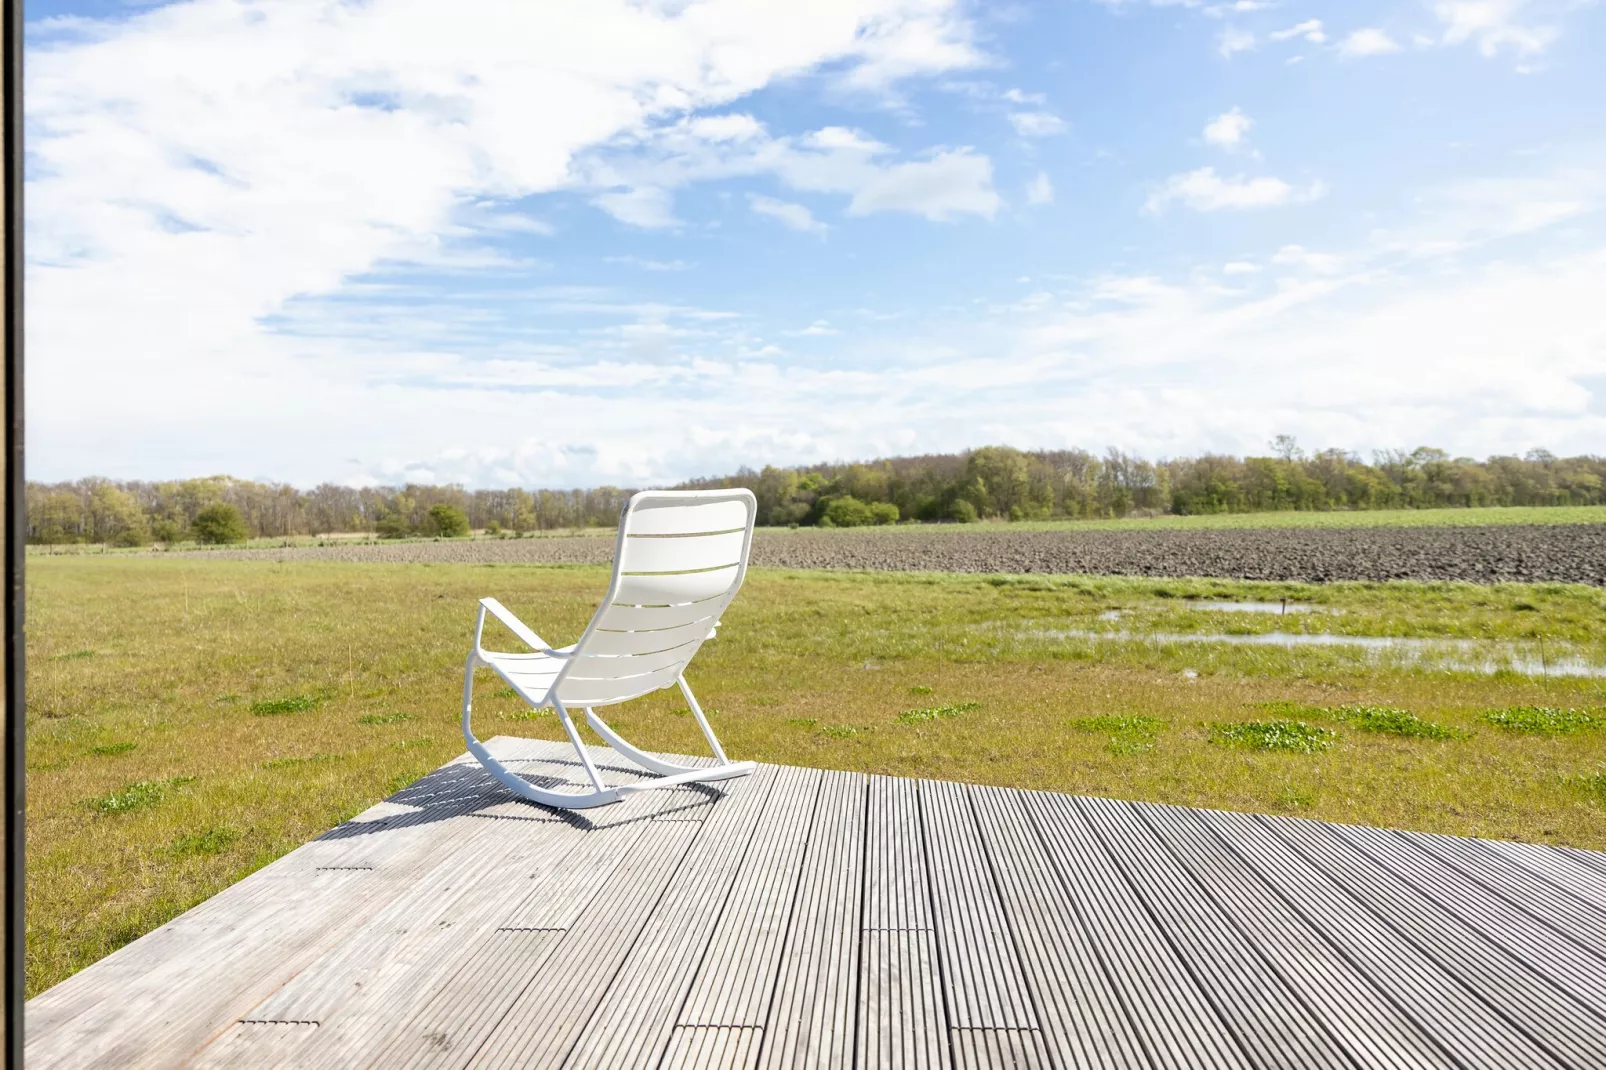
448, 521
962, 511
167, 531
218, 524
1542, 720
847, 512
1294, 736
884, 513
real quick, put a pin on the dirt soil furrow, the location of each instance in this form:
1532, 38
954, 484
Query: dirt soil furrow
1570, 553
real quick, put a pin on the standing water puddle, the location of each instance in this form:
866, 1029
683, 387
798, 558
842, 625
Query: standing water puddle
1276, 609
1453, 655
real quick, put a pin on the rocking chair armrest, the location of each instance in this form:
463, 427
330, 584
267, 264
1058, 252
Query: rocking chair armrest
514, 625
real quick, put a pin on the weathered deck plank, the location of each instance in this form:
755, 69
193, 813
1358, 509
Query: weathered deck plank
800, 918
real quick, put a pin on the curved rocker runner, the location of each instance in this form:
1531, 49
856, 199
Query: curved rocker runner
680, 559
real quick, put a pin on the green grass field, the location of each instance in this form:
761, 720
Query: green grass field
192, 719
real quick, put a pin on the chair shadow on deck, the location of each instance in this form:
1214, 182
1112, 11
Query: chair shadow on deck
468, 790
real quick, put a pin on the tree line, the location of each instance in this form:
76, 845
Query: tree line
994, 482
998, 482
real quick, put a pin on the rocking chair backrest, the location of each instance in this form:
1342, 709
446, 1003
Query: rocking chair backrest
680, 558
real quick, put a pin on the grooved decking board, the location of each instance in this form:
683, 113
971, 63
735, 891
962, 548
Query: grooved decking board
902, 1019
812, 1016
807, 918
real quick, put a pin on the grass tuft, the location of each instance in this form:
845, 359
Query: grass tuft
1593, 786
937, 713
75, 655
803, 722
291, 762
1127, 735
394, 717
920, 689
210, 842
121, 747
528, 713
137, 796
840, 731
1296, 736
1542, 720
277, 707
1391, 721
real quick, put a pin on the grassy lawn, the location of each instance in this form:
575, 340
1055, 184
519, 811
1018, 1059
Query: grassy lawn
190, 719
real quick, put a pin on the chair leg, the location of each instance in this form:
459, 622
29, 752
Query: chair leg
702, 722
724, 770
599, 796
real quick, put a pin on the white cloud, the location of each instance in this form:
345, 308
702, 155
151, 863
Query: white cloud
1520, 25
198, 166
1040, 190
833, 160
1206, 191
1228, 129
1233, 40
1299, 256
1310, 30
1016, 96
950, 184
819, 328
1239, 267
793, 215
646, 264
1036, 123
1368, 41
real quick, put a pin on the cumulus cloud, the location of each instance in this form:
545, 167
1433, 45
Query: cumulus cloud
198, 167
1228, 129
796, 216
950, 184
833, 160
1040, 190
1310, 30
1206, 191
1526, 27
1036, 123
1368, 41
1231, 41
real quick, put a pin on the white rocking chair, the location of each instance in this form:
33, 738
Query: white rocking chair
680, 558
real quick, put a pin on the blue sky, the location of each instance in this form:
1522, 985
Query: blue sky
574, 243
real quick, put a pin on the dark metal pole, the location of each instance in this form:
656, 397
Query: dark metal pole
15, 537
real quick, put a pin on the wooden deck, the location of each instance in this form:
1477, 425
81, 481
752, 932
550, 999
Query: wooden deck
805, 918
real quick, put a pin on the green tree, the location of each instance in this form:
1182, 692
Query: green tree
116, 518
962, 511
884, 513
448, 521
846, 512
219, 523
